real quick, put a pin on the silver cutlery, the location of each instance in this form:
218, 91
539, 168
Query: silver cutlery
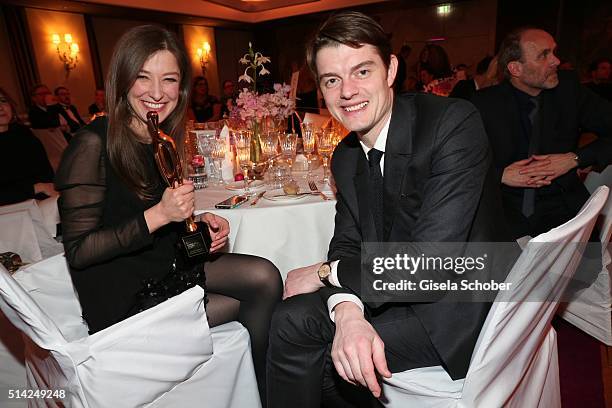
261, 194
315, 190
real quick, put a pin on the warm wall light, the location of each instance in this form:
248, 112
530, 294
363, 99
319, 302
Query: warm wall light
67, 51
204, 56
444, 9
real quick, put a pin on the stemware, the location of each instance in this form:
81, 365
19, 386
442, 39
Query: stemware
269, 147
288, 144
325, 147
308, 141
242, 139
218, 149
206, 140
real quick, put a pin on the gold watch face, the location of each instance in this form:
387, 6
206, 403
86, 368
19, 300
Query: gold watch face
324, 271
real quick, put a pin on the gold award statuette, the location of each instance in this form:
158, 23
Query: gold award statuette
195, 242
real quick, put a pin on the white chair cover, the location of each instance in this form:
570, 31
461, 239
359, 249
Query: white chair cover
45, 217
162, 354
54, 142
12, 364
590, 309
514, 363
17, 235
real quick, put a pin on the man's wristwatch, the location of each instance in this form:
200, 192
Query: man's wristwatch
577, 160
324, 273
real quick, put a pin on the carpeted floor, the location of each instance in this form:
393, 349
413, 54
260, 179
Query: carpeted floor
579, 367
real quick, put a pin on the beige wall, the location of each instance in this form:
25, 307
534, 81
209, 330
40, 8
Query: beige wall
107, 32
81, 81
194, 37
8, 76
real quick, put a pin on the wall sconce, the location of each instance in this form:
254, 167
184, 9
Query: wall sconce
67, 51
204, 56
444, 10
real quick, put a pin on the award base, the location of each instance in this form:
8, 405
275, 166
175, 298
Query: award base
194, 247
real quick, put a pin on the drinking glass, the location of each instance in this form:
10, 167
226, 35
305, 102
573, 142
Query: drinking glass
308, 141
325, 147
288, 144
269, 147
206, 140
198, 172
242, 139
218, 149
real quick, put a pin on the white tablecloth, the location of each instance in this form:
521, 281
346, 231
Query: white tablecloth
289, 233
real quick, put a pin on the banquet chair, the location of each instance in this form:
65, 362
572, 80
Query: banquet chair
17, 235
165, 356
595, 179
590, 308
43, 222
54, 142
514, 363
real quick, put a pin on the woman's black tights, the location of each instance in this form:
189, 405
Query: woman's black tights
244, 288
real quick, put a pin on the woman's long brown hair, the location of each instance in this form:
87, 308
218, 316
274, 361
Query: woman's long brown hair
126, 153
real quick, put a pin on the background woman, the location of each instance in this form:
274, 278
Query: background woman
25, 171
204, 107
121, 222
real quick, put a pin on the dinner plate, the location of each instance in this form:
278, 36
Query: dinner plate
279, 195
239, 185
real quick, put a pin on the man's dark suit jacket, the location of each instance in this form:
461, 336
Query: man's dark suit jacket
74, 125
41, 119
567, 110
437, 188
464, 89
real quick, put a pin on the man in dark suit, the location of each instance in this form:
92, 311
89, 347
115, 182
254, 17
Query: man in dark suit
484, 77
413, 169
40, 115
67, 110
534, 119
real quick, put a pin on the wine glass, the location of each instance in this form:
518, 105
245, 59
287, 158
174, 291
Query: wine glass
206, 140
288, 144
218, 149
242, 139
269, 147
325, 147
308, 141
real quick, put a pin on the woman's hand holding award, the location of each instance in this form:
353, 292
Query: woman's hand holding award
194, 243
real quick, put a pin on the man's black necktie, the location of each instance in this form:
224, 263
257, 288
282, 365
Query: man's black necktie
376, 189
534, 145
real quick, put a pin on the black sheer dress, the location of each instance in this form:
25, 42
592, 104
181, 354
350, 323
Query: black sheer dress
110, 250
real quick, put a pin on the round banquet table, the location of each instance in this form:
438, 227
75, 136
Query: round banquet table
290, 233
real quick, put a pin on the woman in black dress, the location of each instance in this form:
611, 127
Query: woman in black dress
204, 107
25, 171
120, 222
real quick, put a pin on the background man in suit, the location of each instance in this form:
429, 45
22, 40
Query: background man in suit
534, 120
42, 116
412, 170
67, 109
486, 75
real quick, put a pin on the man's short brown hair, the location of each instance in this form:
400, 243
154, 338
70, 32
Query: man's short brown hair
350, 28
